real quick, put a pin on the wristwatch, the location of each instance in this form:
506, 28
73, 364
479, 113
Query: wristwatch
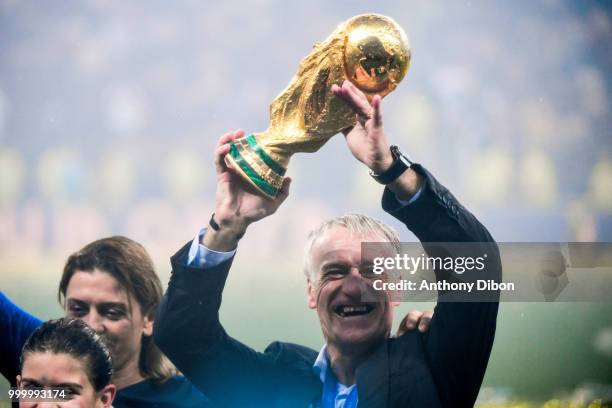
401, 163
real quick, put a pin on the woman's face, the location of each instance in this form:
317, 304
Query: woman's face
99, 300
49, 370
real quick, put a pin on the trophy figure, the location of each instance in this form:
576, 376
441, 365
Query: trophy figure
370, 50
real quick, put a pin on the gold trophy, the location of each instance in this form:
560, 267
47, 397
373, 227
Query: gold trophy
370, 50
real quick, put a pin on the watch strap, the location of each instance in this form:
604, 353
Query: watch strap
401, 163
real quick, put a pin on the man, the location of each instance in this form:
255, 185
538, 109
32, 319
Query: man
112, 286
360, 363
65, 360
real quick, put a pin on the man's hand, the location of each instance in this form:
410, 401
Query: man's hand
238, 204
367, 140
414, 319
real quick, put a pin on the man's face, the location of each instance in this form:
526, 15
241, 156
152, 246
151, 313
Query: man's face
52, 370
100, 301
346, 321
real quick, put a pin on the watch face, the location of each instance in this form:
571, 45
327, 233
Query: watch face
405, 160
395, 152
398, 154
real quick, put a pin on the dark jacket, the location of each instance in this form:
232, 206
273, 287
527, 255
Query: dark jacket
443, 367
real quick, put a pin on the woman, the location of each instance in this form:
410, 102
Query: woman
111, 285
66, 361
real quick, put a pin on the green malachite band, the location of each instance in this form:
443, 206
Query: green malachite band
255, 178
277, 168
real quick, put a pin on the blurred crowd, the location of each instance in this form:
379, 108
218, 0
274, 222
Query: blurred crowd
109, 111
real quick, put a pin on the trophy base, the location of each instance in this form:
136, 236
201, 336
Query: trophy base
255, 166
232, 163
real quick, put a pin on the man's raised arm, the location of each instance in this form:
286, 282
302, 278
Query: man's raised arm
460, 336
461, 332
187, 327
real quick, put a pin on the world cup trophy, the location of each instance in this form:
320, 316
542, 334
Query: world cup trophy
370, 50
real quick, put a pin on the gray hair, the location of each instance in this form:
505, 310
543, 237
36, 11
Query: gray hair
358, 224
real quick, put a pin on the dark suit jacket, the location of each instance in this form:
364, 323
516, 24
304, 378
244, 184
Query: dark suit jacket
443, 367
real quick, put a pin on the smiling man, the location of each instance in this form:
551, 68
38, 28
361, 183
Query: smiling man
337, 274
360, 364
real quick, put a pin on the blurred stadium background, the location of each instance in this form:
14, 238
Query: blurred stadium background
109, 112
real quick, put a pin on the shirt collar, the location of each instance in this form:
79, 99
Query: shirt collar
334, 393
321, 364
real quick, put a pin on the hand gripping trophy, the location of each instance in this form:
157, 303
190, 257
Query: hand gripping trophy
370, 50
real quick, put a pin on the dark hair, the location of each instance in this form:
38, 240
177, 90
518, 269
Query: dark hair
129, 263
75, 338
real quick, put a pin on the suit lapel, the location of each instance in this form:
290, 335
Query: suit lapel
308, 394
373, 379
305, 389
